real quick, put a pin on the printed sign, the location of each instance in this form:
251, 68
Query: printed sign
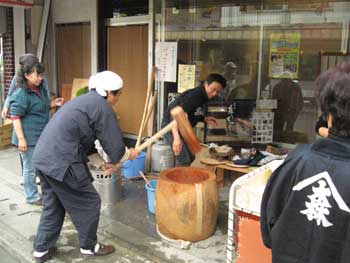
284, 56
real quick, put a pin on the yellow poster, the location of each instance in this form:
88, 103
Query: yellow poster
284, 55
186, 77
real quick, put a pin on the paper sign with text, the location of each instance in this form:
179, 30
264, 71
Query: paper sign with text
186, 77
166, 57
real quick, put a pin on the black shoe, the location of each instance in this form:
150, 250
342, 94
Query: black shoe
103, 250
46, 256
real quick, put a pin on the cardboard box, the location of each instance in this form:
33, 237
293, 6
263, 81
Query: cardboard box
5, 135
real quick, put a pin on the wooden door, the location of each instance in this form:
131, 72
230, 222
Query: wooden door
73, 46
127, 48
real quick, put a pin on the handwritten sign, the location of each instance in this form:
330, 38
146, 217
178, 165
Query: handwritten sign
166, 56
186, 77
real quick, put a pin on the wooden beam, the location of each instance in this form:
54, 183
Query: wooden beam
44, 19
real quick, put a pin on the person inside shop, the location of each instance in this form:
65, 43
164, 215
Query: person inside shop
230, 73
60, 159
305, 206
290, 102
321, 126
192, 102
29, 105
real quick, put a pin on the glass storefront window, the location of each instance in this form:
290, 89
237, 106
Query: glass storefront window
269, 50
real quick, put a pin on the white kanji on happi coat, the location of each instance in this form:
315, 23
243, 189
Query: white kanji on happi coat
318, 206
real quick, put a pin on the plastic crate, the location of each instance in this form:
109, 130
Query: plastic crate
244, 240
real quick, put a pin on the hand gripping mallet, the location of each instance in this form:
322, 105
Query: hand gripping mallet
180, 119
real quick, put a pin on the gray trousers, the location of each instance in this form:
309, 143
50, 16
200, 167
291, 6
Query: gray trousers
186, 157
78, 197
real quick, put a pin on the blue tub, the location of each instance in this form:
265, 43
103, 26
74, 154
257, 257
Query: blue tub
132, 168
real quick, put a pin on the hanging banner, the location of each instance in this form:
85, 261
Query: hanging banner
165, 60
186, 77
284, 56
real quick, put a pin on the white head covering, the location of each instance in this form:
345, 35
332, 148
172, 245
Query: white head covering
104, 81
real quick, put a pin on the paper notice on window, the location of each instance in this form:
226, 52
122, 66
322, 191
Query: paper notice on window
166, 56
266, 104
186, 77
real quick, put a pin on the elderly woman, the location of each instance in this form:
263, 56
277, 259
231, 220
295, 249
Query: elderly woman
29, 107
305, 208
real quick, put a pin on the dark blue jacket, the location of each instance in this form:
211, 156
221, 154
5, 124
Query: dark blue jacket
71, 134
305, 215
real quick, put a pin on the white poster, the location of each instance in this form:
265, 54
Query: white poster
166, 57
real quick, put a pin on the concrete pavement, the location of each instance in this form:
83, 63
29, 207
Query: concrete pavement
128, 226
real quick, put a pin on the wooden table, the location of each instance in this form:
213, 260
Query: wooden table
218, 169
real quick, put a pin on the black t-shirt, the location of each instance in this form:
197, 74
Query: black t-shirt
191, 101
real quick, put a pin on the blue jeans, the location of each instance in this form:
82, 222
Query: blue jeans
29, 182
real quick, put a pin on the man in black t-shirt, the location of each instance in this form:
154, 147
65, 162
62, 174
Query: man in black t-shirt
191, 101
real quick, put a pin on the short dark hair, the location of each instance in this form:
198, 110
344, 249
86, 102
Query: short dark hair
113, 92
217, 78
333, 96
28, 63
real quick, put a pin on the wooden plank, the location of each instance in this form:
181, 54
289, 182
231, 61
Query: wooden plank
66, 91
77, 85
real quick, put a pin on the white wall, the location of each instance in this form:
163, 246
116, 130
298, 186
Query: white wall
73, 11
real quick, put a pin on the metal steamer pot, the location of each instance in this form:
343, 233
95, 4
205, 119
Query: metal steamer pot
162, 156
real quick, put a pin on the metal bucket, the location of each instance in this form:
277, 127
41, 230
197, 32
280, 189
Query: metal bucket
108, 186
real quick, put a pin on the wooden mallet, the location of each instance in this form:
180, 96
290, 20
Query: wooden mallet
180, 119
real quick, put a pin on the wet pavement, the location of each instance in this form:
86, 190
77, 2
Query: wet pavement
127, 224
6, 257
